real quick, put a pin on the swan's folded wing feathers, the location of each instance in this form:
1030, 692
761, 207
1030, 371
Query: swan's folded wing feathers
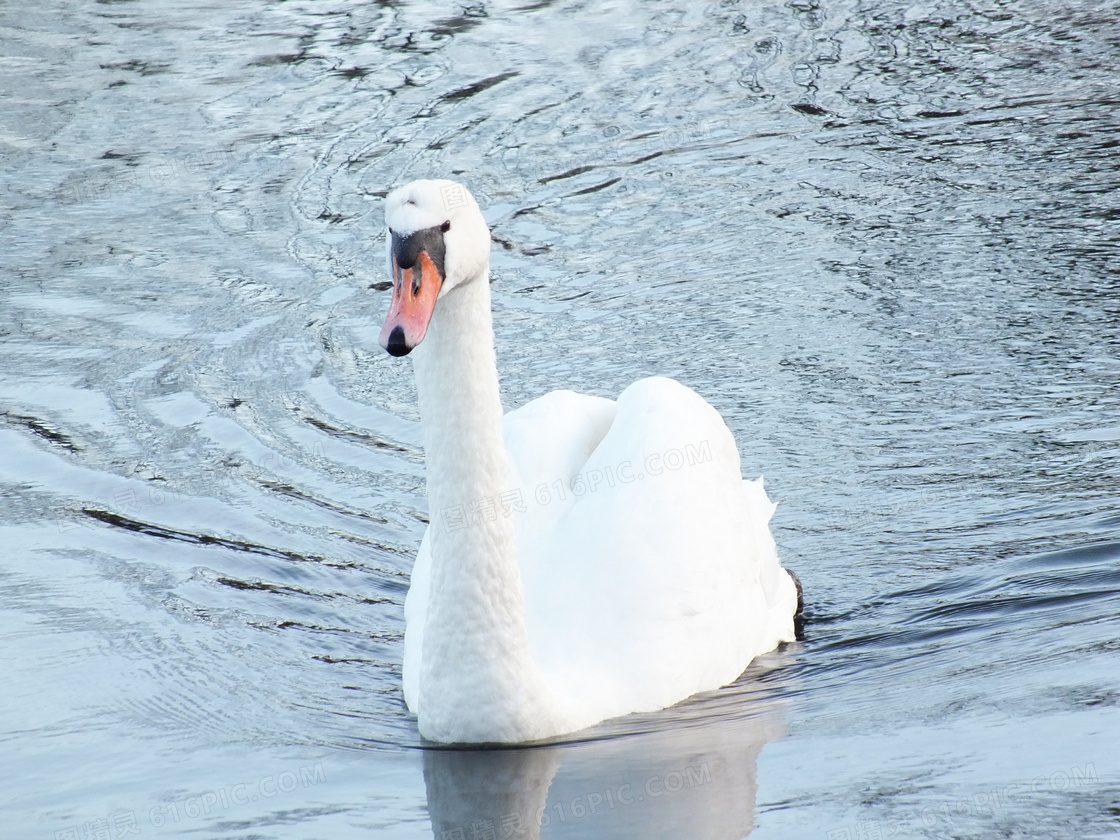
548, 441
552, 437
647, 591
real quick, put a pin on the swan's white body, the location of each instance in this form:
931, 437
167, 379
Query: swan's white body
586, 558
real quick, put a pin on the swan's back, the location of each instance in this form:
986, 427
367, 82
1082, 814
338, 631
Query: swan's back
649, 569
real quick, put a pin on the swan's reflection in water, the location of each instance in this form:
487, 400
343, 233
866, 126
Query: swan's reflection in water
689, 771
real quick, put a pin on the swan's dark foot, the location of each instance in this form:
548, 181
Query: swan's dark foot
800, 593
799, 615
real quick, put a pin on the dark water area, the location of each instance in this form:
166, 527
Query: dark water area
881, 238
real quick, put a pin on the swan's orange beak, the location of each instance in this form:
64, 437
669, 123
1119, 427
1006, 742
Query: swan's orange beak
414, 299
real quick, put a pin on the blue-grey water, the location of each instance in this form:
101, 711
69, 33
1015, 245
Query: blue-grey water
881, 237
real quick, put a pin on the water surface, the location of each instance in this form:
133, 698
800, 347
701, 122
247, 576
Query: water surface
880, 237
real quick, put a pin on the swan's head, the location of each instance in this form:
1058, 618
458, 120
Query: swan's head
437, 240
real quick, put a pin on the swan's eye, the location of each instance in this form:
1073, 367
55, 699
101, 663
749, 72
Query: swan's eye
446, 226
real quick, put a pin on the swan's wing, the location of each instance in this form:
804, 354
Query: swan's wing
662, 580
554, 435
777, 586
549, 440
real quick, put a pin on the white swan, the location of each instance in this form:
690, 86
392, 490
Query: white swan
586, 558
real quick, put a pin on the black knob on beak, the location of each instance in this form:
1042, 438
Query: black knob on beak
396, 344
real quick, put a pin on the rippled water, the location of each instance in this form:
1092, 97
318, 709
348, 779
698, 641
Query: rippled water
880, 237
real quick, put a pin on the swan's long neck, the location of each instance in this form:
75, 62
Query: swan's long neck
477, 678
